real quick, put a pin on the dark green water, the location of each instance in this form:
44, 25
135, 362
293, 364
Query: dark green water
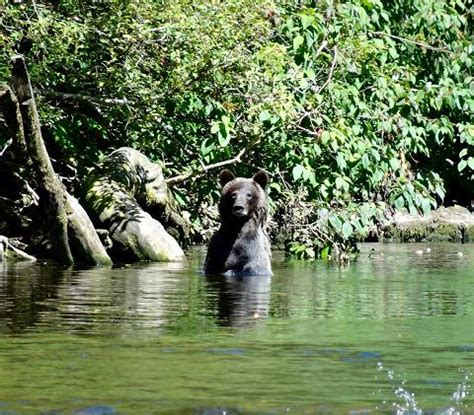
393, 333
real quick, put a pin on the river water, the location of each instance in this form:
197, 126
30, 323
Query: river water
391, 333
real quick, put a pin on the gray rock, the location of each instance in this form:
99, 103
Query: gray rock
452, 224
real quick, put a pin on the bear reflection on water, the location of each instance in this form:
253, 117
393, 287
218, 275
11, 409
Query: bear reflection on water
242, 301
241, 245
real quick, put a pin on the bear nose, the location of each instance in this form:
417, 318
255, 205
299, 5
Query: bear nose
238, 209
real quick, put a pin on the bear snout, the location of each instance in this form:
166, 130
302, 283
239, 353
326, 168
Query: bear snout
239, 211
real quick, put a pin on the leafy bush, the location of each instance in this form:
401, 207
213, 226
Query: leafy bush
356, 108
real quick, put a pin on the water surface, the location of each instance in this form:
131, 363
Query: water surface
391, 333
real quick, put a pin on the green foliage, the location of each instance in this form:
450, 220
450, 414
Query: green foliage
366, 105
389, 108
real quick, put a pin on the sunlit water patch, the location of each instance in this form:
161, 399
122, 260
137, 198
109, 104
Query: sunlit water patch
391, 333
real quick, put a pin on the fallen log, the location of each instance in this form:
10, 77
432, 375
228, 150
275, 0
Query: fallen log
10, 252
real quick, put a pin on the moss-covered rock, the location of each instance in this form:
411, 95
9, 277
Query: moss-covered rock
452, 224
117, 193
469, 233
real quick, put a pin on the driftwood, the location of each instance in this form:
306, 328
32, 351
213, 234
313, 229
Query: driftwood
72, 234
118, 193
10, 252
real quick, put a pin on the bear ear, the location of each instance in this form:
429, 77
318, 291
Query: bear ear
225, 176
261, 177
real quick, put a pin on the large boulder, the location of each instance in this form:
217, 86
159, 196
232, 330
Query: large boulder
453, 224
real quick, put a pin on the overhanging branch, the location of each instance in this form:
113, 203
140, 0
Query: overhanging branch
80, 98
413, 42
204, 169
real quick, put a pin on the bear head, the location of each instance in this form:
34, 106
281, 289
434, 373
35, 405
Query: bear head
243, 198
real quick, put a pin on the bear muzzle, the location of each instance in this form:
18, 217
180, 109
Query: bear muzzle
239, 211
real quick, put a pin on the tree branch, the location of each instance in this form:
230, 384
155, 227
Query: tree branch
312, 133
80, 98
414, 42
331, 71
204, 169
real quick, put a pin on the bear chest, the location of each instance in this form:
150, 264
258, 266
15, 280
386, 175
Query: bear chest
249, 254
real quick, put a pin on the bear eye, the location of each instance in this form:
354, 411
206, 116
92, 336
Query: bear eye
233, 195
249, 195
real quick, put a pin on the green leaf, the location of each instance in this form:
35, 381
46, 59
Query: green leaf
393, 53
335, 222
310, 74
462, 165
365, 161
325, 252
356, 129
223, 135
377, 176
205, 148
297, 172
215, 127
276, 186
440, 192
264, 116
470, 162
394, 164
339, 182
399, 202
347, 230
225, 120
426, 206
306, 21
297, 42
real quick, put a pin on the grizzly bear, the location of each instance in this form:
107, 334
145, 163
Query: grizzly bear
241, 246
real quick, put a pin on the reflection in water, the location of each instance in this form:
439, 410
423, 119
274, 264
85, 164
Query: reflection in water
23, 289
241, 300
87, 299
139, 296
397, 284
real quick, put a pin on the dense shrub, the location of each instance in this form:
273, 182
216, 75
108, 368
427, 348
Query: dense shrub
355, 107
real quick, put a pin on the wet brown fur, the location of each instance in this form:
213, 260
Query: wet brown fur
241, 245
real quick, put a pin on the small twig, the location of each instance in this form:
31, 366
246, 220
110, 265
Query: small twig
282, 180
320, 49
299, 127
33, 2
204, 169
7, 144
331, 71
414, 42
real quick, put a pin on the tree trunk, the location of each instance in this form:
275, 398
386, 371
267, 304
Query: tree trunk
11, 112
63, 212
50, 191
